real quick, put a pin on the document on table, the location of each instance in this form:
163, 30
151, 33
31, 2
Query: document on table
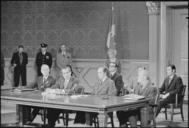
21, 89
78, 96
133, 97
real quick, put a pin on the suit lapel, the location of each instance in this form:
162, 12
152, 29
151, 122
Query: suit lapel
169, 84
69, 83
102, 85
113, 77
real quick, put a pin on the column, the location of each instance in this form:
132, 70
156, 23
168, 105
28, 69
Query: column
153, 12
163, 45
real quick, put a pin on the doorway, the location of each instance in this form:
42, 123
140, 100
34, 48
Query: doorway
177, 42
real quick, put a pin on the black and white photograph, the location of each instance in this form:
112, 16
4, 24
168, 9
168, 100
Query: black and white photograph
94, 64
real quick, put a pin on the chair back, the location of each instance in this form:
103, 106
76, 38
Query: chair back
181, 96
157, 96
183, 90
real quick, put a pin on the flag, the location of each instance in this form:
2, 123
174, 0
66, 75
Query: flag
111, 33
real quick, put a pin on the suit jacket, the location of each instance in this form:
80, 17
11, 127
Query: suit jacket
62, 61
117, 78
106, 87
73, 82
47, 84
174, 87
43, 59
149, 92
16, 59
131, 84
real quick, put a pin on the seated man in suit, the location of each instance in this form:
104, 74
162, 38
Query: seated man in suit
66, 83
134, 81
116, 77
144, 88
43, 82
104, 86
171, 86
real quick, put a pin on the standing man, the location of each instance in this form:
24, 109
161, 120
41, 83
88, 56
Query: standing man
171, 86
116, 77
18, 62
43, 57
2, 69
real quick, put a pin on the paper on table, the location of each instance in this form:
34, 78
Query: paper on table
133, 97
78, 96
23, 89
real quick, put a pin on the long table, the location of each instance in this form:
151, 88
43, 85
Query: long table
87, 103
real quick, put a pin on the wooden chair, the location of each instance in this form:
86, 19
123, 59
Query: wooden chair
95, 120
177, 105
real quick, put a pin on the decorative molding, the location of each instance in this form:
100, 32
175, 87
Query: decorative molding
153, 7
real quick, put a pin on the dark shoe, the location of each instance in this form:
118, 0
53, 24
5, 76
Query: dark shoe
28, 122
123, 126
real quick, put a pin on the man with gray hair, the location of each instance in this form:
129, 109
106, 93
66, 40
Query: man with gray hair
43, 82
144, 88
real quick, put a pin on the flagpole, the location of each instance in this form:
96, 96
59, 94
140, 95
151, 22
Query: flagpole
112, 12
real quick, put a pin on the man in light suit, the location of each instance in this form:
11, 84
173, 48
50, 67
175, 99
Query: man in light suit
104, 86
171, 86
144, 88
19, 61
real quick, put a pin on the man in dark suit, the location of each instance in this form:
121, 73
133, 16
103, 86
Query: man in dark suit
19, 61
116, 77
43, 82
171, 86
43, 57
2, 69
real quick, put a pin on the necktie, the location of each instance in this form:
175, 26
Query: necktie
21, 58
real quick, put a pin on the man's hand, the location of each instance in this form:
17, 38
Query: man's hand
14, 65
164, 96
